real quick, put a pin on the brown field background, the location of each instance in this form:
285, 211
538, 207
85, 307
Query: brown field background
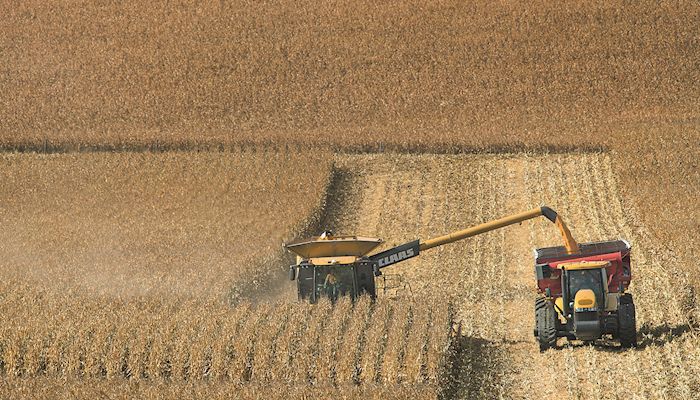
445, 76
253, 112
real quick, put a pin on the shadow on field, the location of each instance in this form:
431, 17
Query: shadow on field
339, 202
68, 145
476, 371
661, 335
647, 336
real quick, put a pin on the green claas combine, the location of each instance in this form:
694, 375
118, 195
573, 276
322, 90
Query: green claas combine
581, 287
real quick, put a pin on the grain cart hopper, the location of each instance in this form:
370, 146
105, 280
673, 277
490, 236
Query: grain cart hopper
580, 287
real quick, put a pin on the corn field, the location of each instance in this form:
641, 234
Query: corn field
42, 388
155, 156
451, 77
460, 326
294, 343
348, 74
158, 225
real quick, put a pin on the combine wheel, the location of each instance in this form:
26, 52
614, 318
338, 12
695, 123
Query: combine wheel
546, 320
627, 323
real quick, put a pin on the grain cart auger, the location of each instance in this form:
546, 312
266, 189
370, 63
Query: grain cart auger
581, 287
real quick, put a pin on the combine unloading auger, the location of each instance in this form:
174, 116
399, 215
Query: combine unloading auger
412, 249
581, 287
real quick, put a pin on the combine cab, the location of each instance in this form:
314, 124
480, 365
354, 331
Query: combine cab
331, 267
582, 294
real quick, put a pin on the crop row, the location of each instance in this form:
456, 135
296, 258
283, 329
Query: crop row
383, 342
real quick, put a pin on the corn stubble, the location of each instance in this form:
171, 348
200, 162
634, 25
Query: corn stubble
490, 277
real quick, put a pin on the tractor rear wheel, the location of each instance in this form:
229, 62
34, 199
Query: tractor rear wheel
546, 319
627, 322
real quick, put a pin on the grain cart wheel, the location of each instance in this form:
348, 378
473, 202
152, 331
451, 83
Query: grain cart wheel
627, 322
546, 319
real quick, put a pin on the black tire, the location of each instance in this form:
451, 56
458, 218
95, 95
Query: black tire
627, 322
539, 304
546, 320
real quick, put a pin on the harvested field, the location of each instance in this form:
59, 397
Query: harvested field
491, 276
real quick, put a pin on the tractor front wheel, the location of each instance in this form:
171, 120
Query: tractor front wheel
627, 322
546, 319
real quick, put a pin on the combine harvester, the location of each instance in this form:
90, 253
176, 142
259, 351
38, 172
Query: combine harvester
581, 287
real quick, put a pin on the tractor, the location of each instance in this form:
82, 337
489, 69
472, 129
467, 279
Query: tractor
582, 294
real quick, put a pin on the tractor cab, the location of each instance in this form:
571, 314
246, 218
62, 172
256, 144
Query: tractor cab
583, 280
584, 296
332, 267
